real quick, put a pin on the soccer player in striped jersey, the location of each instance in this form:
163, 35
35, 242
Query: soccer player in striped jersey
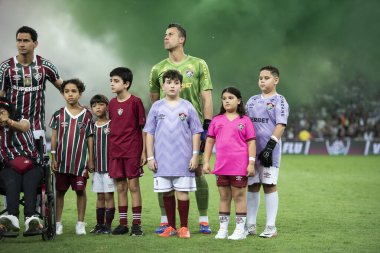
173, 138
126, 159
23, 80
102, 184
72, 137
269, 113
196, 88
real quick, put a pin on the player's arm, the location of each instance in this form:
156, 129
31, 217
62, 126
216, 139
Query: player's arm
53, 149
278, 131
154, 86
90, 162
207, 104
19, 126
207, 155
152, 165
194, 161
154, 97
251, 158
58, 84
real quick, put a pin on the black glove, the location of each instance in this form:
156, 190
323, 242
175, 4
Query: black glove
206, 124
265, 155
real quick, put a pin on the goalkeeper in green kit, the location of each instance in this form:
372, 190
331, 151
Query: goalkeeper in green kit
196, 88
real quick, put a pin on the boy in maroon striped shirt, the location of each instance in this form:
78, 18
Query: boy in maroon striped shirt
72, 130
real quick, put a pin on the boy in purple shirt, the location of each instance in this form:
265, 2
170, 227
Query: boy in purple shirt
172, 142
269, 112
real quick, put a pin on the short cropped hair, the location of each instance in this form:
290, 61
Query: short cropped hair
172, 74
99, 98
27, 29
124, 73
182, 31
273, 70
76, 81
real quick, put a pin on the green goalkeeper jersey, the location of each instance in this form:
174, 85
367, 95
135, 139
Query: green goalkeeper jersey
196, 78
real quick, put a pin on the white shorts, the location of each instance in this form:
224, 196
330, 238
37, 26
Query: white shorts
181, 184
101, 182
264, 175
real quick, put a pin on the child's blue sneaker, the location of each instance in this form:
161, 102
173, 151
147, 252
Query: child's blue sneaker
204, 228
161, 228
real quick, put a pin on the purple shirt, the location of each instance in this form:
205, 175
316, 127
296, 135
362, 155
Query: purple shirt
173, 129
265, 114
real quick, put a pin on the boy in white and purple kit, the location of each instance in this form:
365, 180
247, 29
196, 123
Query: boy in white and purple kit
269, 112
173, 137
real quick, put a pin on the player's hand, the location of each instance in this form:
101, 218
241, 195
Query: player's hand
143, 160
152, 165
251, 170
90, 166
54, 166
206, 168
193, 164
265, 155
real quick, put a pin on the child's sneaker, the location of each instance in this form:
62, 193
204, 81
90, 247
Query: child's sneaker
80, 228
136, 230
251, 229
97, 229
10, 224
33, 226
222, 234
269, 231
168, 232
184, 233
204, 228
58, 228
120, 230
161, 228
106, 230
238, 234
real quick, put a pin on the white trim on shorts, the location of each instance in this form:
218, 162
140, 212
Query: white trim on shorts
102, 183
181, 184
264, 175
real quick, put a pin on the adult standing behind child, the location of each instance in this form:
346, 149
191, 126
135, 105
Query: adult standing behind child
126, 159
234, 136
102, 184
173, 138
269, 112
72, 130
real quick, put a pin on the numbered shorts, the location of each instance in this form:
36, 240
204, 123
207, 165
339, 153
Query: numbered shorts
64, 181
167, 184
101, 182
264, 175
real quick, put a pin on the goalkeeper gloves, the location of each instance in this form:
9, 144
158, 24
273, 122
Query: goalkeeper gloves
206, 124
265, 155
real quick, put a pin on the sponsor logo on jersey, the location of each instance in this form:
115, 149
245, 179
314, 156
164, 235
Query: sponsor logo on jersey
182, 116
161, 116
16, 77
261, 120
241, 126
26, 89
270, 106
37, 67
120, 111
189, 73
107, 130
37, 76
15, 69
64, 124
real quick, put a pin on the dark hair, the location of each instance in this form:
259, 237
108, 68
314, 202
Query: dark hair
182, 31
124, 73
99, 98
27, 29
273, 70
76, 81
172, 74
240, 109
9, 107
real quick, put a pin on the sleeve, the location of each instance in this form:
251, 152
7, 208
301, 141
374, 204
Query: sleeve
51, 71
211, 129
250, 130
54, 121
141, 113
3, 75
151, 121
204, 77
194, 122
282, 111
154, 82
90, 125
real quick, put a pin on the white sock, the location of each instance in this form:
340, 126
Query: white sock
253, 202
203, 219
271, 204
240, 222
164, 219
223, 221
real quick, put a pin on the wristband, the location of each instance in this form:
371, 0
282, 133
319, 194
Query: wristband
196, 152
251, 158
274, 138
53, 152
150, 158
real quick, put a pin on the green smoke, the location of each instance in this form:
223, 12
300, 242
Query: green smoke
319, 46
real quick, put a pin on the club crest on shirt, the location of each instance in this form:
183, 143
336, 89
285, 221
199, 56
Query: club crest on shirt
64, 124
120, 111
107, 130
81, 125
37, 76
241, 126
270, 106
182, 116
189, 73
